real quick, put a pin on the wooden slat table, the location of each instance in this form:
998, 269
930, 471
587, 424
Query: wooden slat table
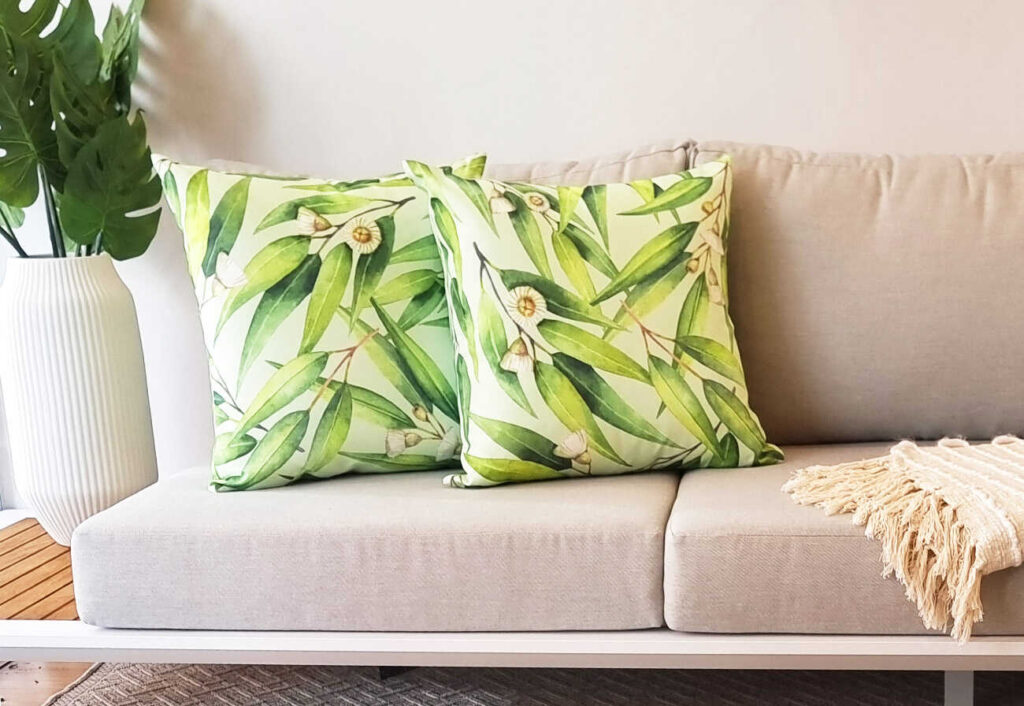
35, 575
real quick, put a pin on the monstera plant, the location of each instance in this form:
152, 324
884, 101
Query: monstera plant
68, 134
71, 364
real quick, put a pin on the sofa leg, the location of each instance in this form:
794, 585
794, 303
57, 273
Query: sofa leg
959, 689
388, 672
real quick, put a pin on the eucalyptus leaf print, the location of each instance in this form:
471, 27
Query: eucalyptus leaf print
592, 310
323, 309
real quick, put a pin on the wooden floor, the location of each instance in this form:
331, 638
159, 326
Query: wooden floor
35, 575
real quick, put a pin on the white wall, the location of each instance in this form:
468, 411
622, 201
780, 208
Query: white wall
350, 88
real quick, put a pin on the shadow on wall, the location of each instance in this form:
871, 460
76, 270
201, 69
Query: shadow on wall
199, 92
181, 41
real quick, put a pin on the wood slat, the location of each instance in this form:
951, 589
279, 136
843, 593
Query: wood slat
67, 612
33, 578
17, 527
35, 575
12, 607
48, 604
23, 537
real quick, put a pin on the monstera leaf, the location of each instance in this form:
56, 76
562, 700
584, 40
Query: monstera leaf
26, 141
108, 184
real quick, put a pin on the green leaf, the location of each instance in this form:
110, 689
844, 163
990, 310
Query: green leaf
377, 409
274, 307
288, 382
327, 292
475, 194
712, 355
196, 220
404, 462
465, 321
423, 249
644, 189
521, 442
120, 56
734, 415
596, 199
12, 214
228, 447
391, 366
569, 407
471, 167
462, 380
225, 223
267, 267
112, 179
370, 268
494, 343
684, 191
560, 301
504, 470
650, 293
405, 286
693, 313
421, 306
730, 453
332, 430
79, 108
769, 454
524, 223
420, 368
573, 265
568, 198
591, 251
75, 38
683, 403
444, 226
654, 255
324, 204
273, 451
591, 349
605, 403
26, 141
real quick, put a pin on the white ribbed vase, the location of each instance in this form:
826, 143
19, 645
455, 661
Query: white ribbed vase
74, 388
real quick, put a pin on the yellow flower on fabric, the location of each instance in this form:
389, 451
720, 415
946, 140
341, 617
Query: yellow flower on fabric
517, 358
576, 447
537, 201
362, 235
310, 222
714, 287
500, 204
526, 306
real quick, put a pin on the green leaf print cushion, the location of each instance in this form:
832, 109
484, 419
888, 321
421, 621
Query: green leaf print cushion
591, 325
322, 305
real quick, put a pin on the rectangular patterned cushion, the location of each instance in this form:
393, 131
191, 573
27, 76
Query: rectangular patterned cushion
591, 326
323, 310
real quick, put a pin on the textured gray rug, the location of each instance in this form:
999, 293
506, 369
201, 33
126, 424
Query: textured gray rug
228, 685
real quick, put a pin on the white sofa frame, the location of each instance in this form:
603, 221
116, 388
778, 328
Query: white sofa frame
73, 641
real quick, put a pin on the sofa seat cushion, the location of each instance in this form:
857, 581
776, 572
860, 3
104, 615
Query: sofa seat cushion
742, 557
379, 552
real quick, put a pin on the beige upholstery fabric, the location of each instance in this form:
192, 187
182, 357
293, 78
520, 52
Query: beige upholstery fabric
741, 556
878, 297
384, 552
658, 159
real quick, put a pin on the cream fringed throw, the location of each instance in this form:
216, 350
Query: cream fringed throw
946, 516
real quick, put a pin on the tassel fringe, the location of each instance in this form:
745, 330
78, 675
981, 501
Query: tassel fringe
924, 543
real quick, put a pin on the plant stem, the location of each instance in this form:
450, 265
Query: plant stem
56, 235
8, 234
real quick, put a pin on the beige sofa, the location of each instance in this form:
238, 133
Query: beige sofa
875, 298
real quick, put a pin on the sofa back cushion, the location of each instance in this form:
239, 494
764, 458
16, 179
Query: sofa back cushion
878, 297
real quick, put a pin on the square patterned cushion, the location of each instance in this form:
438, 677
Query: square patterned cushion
591, 326
323, 309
